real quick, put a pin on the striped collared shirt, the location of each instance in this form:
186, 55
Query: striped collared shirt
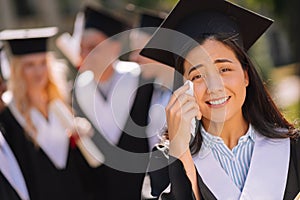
235, 162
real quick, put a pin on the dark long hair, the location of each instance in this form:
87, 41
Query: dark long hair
258, 109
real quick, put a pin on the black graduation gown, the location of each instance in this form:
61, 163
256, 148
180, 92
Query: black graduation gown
43, 180
113, 184
7, 192
181, 188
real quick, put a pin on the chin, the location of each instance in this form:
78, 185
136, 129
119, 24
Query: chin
217, 117
39, 86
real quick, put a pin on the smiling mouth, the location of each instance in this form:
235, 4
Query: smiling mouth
218, 102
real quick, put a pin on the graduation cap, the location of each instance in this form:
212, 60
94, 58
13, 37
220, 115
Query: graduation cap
192, 18
103, 21
150, 20
27, 41
147, 18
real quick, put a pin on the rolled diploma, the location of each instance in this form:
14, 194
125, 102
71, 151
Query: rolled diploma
87, 147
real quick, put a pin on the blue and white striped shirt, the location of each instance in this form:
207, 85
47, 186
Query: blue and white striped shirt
235, 162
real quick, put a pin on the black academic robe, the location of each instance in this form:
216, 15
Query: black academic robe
7, 192
43, 180
115, 184
181, 188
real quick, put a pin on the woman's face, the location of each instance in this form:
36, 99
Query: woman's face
89, 41
35, 70
219, 81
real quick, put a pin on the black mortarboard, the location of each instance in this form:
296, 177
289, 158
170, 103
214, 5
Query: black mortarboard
150, 20
192, 18
27, 41
103, 21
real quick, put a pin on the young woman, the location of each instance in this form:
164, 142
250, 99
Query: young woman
243, 147
35, 124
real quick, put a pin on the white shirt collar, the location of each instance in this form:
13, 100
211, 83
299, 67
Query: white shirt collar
209, 140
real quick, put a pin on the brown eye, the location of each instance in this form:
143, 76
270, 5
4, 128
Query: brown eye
225, 69
28, 65
197, 77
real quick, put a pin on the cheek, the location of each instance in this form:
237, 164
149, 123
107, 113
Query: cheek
28, 73
199, 92
44, 70
238, 88
238, 83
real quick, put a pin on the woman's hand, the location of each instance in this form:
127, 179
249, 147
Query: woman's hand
181, 109
82, 127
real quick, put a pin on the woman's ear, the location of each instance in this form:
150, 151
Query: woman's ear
246, 78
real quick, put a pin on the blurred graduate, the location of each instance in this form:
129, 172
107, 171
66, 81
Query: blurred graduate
113, 96
36, 123
162, 74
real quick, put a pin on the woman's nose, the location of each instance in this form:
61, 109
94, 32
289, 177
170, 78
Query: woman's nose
214, 83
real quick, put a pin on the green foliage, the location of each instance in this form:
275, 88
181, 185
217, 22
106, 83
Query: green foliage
155, 4
276, 6
292, 114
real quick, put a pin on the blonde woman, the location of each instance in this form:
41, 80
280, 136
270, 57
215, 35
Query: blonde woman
34, 123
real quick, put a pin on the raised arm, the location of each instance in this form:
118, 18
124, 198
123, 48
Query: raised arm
181, 109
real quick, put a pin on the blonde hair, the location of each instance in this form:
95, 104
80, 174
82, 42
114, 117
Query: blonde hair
17, 85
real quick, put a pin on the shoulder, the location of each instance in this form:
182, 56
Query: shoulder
295, 147
8, 122
295, 153
5, 115
127, 66
10, 127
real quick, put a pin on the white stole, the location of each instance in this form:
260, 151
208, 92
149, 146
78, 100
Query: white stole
108, 117
51, 134
266, 178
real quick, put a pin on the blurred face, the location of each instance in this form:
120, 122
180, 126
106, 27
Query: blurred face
35, 70
153, 69
219, 81
138, 40
98, 52
150, 68
89, 41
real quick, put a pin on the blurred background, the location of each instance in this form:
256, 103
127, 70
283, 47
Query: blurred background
276, 54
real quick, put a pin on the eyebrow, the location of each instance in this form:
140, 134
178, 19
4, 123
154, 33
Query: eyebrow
201, 65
